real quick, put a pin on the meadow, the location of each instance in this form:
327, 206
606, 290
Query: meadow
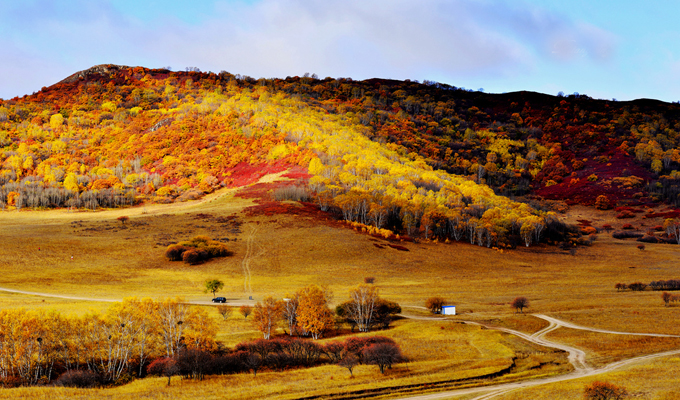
93, 255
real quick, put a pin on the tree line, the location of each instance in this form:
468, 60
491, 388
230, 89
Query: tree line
169, 337
166, 136
36, 346
671, 284
307, 312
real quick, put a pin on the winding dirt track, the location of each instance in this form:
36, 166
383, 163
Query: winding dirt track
253, 250
577, 358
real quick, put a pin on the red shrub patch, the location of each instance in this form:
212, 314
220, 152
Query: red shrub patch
625, 214
627, 226
669, 214
630, 209
396, 246
245, 174
578, 190
588, 230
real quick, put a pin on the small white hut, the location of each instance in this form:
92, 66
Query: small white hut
449, 310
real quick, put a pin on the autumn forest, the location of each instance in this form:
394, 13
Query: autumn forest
410, 158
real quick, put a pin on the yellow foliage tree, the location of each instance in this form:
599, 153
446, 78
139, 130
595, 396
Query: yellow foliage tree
313, 314
56, 121
71, 183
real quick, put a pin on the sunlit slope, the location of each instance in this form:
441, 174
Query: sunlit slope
118, 136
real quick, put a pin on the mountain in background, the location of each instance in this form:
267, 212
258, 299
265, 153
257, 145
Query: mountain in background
409, 158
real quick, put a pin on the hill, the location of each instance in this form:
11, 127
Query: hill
415, 158
402, 161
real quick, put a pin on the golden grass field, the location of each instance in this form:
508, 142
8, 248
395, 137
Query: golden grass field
653, 381
112, 261
462, 351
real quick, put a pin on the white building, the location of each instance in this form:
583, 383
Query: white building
449, 310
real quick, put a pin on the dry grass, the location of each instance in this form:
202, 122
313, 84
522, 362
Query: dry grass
656, 381
519, 322
603, 348
462, 351
113, 262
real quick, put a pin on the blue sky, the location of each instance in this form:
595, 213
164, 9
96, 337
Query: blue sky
607, 49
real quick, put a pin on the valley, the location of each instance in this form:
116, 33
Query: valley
112, 261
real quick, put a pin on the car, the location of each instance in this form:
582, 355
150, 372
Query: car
219, 300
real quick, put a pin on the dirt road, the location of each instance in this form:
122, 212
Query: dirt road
234, 302
577, 358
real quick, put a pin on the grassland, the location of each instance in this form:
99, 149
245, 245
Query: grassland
112, 261
461, 352
654, 381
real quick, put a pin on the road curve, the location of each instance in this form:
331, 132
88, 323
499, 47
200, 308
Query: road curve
585, 328
576, 358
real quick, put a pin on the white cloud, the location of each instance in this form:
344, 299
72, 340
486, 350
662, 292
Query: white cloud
358, 38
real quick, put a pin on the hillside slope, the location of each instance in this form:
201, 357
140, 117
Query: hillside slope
421, 159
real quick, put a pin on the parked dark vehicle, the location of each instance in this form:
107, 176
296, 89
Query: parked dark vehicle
219, 300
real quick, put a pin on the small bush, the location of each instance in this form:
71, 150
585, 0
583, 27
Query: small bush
164, 366
626, 235
174, 252
192, 257
627, 226
191, 194
648, 239
637, 286
218, 250
604, 391
196, 250
592, 178
588, 230
78, 379
292, 193
601, 202
625, 214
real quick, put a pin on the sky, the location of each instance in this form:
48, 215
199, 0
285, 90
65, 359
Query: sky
606, 49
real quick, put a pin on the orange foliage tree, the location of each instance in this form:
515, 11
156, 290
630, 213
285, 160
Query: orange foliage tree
313, 315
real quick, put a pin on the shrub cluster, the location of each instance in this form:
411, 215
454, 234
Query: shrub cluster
668, 298
627, 235
671, 284
635, 287
79, 379
196, 250
277, 354
625, 214
603, 391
